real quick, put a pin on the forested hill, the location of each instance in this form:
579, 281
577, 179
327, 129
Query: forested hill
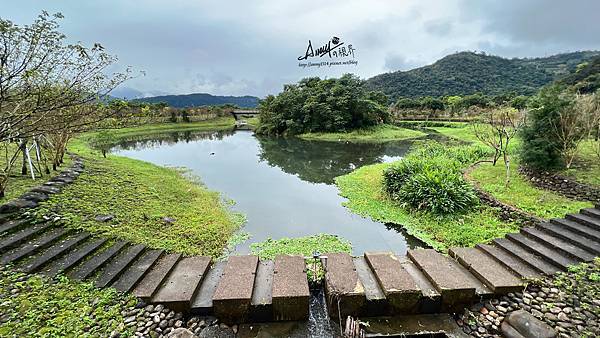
202, 99
467, 73
586, 79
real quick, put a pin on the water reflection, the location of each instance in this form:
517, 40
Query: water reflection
284, 186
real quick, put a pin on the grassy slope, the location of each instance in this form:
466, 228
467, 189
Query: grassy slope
140, 195
363, 188
38, 307
382, 133
520, 193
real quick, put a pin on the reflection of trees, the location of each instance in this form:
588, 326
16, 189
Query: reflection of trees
167, 138
321, 161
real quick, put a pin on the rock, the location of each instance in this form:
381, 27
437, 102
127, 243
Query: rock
181, 333
163, 324
104, 218
526, 325
562, 317
551, 316
216, 332
169, 220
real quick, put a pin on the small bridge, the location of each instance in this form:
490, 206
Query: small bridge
247, 289
237, 114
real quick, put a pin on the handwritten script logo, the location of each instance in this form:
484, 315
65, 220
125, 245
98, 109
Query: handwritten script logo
337, 52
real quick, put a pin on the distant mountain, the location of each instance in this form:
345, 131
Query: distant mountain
202, 99
467, 73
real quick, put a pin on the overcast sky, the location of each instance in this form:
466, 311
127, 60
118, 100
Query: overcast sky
247, 47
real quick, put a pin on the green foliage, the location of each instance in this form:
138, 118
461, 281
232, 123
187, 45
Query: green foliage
541, 150
468, 73
315, 105
40, 307
381, 133
201, 99
586, 79
430, 179
366, 196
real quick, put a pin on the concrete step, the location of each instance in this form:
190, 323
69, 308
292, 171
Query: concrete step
54, 251
581, 229
9, 226
117, 265
431, 302
564, 247
342, 286
134, 273
400, 289
89, 267
571, 236
290, 289
589, 221
15, 238
449, 281
72, 258
181, 284
499, 279
32, 246
528, 257
510, 261
202, 303
261, 304
376, 303
592, 212
543, 251
152, 280
233, 295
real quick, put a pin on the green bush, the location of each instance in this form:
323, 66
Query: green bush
430, 178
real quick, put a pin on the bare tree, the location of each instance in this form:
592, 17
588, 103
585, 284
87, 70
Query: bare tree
496, 129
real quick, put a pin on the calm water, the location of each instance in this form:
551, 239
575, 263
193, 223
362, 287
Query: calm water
284, 186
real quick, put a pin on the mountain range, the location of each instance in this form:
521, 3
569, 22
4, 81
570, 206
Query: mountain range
201, 99
466, 73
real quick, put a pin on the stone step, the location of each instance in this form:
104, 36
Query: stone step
181, 284
10, 226
528, 257
376, 302
22, 235
152, 280
89, 267
203, 303
499, 279
291, 295
541, 250
261, 305
564, 247
117, 265
400, 289
134, 273
510, 261
342, 285
34, 245
431, 302
572, 237
234, 292
592, 212
589, 221
443, 273
54, 251
578, 228
72, 258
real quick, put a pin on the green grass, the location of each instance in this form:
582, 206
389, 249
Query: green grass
383, 133
34, 306
19, 184
521, 193
364, 190
586, 166
140, 195
304, 246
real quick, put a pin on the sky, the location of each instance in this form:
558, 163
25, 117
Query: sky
247, 47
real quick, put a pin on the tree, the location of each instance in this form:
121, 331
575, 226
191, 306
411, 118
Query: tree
496, 129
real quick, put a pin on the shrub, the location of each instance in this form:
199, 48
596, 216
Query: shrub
430, 178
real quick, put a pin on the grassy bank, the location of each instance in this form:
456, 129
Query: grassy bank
304, 246
34, 306
383, 133
364, 190
142, 197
